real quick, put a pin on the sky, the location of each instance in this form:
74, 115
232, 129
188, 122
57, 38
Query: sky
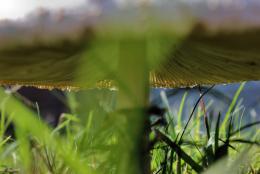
14, 9
215, 13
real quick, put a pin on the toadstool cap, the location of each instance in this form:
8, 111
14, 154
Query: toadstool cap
186, 42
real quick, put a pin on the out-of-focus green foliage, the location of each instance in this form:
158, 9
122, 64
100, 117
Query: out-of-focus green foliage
86, 141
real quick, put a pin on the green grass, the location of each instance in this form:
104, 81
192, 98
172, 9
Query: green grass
196, 151
86, 141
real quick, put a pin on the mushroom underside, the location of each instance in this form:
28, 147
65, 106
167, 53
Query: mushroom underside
201, 58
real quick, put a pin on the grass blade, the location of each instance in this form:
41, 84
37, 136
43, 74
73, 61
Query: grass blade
194, 108
245, 141
244, 127
181, 110
217, 133
232, 105
195, 166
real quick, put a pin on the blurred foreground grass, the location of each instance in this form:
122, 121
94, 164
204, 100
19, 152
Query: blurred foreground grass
86, 141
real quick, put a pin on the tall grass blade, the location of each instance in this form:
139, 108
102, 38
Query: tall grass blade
232, 106
203, 107
181, 110
192, 112
217, 133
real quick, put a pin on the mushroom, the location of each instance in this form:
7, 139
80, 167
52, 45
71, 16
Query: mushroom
195, 43
132, 45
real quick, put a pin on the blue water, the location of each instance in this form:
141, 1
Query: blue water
220, 97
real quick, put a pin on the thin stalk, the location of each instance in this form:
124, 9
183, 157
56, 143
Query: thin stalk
206, 123
133, 94
197, 103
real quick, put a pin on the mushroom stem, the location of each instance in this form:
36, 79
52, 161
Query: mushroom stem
133, 95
